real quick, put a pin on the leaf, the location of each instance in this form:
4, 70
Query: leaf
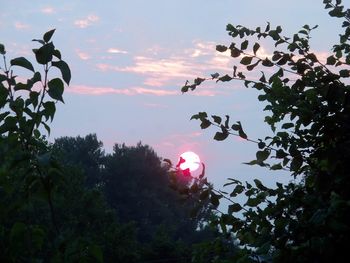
276, 167
261, 145
205, 124
2, 49
244, 45
214, 200
281, 154
235, 52
48, 35
195, 117
259, 185
64, 68
261, 156
256, 48
39, 40
263, 78
22, 62
225, 78
215, 75
56, 88
20, 86
217, 119
234, 208
331, 60
238, 190
44, 54
287, 125
275, 36
253, 202
252, 66
220, 136
47, 127
296, 163
227, 121
235, 127
50, 109
57, 54
344, 73
221, 48
267, 63
246, 60
242, 134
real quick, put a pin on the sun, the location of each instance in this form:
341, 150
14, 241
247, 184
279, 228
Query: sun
191, 161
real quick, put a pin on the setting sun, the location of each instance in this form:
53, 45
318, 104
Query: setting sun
191, 161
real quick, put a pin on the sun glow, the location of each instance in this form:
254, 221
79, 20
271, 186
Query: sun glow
190, 161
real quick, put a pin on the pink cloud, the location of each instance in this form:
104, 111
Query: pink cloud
93, 90
48, 10
83, 55
201, 49
90, 90
116, 51
132, 91
88, 21
156, 92
21, 26
158, 72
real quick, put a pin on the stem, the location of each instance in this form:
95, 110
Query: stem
44, 84
226, 198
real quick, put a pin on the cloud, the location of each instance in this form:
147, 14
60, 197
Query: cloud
161, 67
133, 91
156, 92
157, 72
90, 90
83, 55
48, 10
116, 51
90, 20
201, 49
21, 26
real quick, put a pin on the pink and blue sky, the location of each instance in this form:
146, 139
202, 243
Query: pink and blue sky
130, 58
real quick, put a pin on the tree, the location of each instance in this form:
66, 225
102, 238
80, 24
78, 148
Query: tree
26, 167
135, 184
308, 102
86, 153
47, 215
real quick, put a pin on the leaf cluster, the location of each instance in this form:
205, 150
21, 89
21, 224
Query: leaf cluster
308, 106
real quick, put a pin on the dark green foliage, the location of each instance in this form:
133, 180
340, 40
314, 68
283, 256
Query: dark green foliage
136, 186
308, 109
47, 215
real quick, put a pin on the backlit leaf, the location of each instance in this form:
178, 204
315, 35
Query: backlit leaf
48, 35
22, 62
56, 88
64, 68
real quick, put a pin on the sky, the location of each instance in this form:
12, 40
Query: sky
129, 60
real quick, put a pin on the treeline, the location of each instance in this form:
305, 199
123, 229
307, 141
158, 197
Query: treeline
100, 207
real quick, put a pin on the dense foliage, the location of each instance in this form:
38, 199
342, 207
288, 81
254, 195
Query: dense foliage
308, 105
